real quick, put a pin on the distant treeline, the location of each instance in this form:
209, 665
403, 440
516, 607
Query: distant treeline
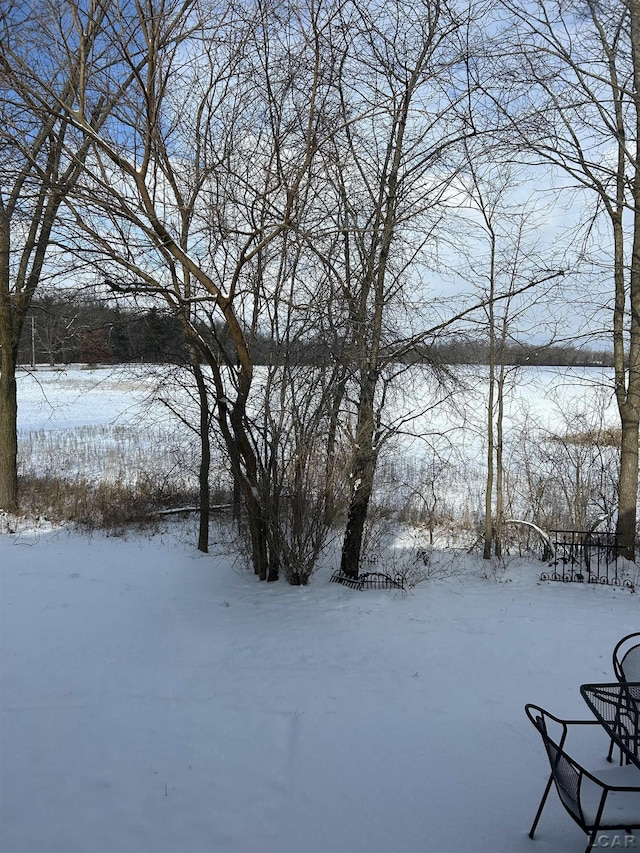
68, 331
465, 351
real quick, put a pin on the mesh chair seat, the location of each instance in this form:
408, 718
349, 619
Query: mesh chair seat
622, 808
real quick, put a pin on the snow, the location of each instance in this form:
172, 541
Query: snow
158, 700
107, 423
75, 396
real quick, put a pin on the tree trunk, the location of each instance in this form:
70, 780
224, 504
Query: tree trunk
362, 473
205, 459
258, 533
8, 391
627, 387
499, 473
630, 407
357, 515
339, 389
628, 488
232, 419
8, 429
488, 493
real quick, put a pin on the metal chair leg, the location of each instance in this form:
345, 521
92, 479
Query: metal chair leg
610, 754
541, 806
592, 840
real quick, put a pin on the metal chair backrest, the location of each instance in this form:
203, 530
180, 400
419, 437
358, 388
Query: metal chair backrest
626, 658
566, 773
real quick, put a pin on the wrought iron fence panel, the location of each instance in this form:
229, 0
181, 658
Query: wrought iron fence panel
586, 556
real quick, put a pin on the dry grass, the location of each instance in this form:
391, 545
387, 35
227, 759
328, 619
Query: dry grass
112, 506
604, 437
111, 477
108, 452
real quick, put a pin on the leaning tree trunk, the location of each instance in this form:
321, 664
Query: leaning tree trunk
232, 420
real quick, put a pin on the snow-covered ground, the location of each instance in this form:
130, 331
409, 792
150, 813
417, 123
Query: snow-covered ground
158, 700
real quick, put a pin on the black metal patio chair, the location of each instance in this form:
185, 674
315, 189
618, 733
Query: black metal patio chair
626, 665
598, 801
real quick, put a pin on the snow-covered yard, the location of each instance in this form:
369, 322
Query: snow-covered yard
157, 700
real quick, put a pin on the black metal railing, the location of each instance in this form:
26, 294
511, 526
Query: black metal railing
369, 580
586, 556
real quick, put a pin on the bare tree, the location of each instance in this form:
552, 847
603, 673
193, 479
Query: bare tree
403, 113
42, 52
504, 254
194, 183
577, 91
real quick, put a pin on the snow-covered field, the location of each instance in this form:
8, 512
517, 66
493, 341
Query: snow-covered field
100, 423
76, 396
108, 423
158, 700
